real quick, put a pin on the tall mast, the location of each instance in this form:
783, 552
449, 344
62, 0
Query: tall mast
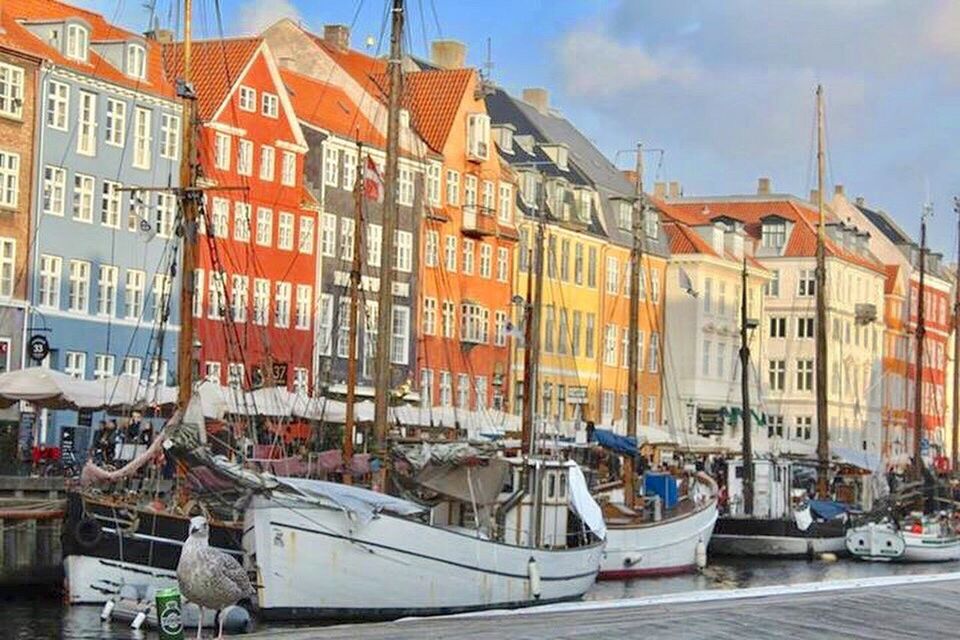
918, 364
955, 445
188, 204
823, 426
382, 377
633, 329
531, 358
745, 396
526, 424
354, 304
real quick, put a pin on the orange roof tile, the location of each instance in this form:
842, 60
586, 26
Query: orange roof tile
433, 99
216, 66
683, 239
17, 37
359, 65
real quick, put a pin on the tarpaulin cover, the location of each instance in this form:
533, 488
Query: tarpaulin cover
363, 503
610, 440
827, 509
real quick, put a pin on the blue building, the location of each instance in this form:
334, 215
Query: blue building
107, 121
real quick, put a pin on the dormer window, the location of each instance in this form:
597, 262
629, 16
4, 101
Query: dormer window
774, 233
557, 153
78, 40
625, 215
652, 224
506, 139
136, 61
478, 133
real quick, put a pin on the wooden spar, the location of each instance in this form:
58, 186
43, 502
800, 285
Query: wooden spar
745, 396
918, 363
526, 424
533, 346
633, 330
955, 440
382, 377
823, 421
348, 425
188, 205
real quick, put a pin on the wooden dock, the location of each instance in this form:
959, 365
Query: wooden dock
889, 608
31, 522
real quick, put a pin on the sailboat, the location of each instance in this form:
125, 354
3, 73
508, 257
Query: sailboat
762, 520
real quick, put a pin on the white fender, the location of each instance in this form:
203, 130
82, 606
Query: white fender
138, 621
533, 571
701, 554
107, 610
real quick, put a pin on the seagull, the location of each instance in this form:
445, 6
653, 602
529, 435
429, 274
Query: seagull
209, 577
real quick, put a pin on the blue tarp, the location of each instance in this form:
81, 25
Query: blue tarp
827, 509
610, 440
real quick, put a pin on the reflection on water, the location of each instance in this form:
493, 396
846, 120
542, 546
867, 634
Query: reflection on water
43, 616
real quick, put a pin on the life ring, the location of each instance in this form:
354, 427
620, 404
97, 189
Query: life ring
87, 532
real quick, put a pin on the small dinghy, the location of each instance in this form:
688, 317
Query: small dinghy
920, 538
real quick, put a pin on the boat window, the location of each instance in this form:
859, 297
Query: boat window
551, 485
563, 485
738, 472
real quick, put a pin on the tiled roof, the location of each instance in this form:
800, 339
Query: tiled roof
13, 13
885, 225
433, 99
328, 107
359, 65
216, 66
683, 239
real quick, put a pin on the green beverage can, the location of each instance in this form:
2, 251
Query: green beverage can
169, 618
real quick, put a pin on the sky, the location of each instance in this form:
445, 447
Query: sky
724, 87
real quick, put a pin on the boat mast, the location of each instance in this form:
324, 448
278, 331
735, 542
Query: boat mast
188, 205
531, 353
354, 304
633, 333
918, 364
823, 427
382, 377
746, 416
956, 350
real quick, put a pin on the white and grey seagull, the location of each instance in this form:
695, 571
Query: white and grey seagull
209, 577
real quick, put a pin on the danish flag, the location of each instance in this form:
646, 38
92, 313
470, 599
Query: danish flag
372, 181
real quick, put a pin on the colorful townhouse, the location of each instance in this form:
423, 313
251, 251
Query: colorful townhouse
785, 231
468, 239
615, 202
102, 258
901, 258
257, 267
340, 102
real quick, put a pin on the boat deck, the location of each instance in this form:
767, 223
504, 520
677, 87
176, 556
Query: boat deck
894, 607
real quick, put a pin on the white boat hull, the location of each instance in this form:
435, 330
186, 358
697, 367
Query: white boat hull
91, 580
658, 548
930, 548
875, 542
312, 561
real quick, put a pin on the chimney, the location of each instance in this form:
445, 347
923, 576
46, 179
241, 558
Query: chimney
861, 201
537, 98
763, 186
660, 189
448, 54
676, 190
813, 195
838, 190
630, 175
163, 36
338, 35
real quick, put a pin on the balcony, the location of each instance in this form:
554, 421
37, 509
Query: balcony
478, 225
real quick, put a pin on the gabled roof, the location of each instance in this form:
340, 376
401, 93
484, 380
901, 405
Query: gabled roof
433, 99
885, 225
15, 13
683, 239
359, 65
217, 65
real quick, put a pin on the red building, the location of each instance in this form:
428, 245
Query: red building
256, 276
937, 325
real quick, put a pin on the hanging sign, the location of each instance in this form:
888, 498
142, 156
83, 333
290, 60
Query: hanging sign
38, 347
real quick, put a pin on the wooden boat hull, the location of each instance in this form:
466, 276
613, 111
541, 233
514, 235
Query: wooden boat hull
657, 548
314, 562
775, 538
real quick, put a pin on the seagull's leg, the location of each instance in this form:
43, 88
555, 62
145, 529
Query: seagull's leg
221, 616
200, 624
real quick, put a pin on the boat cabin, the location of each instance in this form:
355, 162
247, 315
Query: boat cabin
772, 480
531, 482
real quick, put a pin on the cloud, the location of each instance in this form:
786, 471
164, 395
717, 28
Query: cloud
253, 16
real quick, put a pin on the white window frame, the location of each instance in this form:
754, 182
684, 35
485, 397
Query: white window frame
288, 170
268, 161
221, 151
264, 226
247, 99
83, 190
431, 248
285, 226
142, 137
133, 293
57, 111
270, 104
241, 221
305, 236
77, 42
169, 136
75, 364
261, 302
11, 91
9, 179
282, 299
403, 251
51, 269
244, 157
78, 298
136, 61
116, 123
107, 283
303, 306
8, 266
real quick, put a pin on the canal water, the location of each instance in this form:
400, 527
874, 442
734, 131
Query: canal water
38, 616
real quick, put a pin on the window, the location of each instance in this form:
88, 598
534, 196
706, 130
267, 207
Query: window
470, 191
107, 290
261, 301
505, 210
575, 333
431, 248
136, 61
235, 374
721, 298
488, 199
110, 204
162, 287
565, 260
248, 99
142, 138
607, 399
778, 327
463, 391
625, 215
79, 286
137, 215
503, 264
50, 269
405, 186
777, 374
429, 316
654, 362
652, 225
77, 42
374, 244
450, 253
578, 263
589, 335
54, 190
169, 136
270, 106
325, 324
448, 327
328, 235
217, 293
806, 283
771, 288
403, 251
285, 231
116, 123
708, 295
221, 215
198, 293
104, 366
83, 198
804, 427
500, 328
426, 387
774, 426
331, 166
473, 323
625, 347
346, 239
453, 187
480, 386
11, 90
8, 253
651, 410
433, 184
241, 222
804, 375
288, 167
805, 327
400, 335
305, 243
166, 214
267, 163
244, 157
552, 257
213, 372
446, 389
58, 105
468, 252
282, 311
705, 361
478, 133
304, 303
654, 285
774, 234
549, 317
265, 226
221, 152
75, 364
613, 273
486, 260
133, 293
592, 268
610, 345
239, 297
563, 338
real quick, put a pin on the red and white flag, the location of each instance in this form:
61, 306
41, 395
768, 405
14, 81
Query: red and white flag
372, 181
